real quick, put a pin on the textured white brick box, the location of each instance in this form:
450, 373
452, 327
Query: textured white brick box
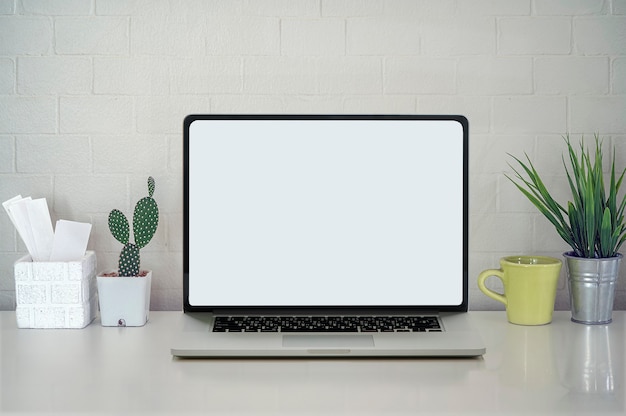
55, 294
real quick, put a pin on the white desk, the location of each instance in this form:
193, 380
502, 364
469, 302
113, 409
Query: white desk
558, 368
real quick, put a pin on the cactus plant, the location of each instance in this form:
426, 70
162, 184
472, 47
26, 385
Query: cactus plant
145, 222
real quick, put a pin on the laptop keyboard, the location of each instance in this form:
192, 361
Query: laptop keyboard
327, 324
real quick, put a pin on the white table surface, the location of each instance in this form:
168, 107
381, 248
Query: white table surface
560, 368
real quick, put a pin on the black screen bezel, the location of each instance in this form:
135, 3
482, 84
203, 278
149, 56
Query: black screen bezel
187, 307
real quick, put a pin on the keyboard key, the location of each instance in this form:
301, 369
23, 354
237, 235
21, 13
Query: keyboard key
326, 324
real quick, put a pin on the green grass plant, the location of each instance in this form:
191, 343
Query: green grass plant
592, 223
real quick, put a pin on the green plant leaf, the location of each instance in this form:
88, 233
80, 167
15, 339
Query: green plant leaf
145, 221
556, 220
590, 222
129, 260
118, 225
594, 223
576, 220
620, 242
150, 186
606, 235
537, 187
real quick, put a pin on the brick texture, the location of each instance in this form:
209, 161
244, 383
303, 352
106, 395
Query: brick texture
55, 294
93, 94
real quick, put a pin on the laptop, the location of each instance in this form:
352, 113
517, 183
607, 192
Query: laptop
326, 236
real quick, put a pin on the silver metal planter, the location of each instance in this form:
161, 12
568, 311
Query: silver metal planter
591, 284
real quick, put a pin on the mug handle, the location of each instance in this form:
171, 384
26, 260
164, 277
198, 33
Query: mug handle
481, 284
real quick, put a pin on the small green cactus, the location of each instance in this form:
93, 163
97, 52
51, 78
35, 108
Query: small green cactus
145, 222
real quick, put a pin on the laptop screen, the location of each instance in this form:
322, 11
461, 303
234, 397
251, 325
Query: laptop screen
325, 211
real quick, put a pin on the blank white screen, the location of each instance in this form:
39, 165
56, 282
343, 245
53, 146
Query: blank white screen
325, 212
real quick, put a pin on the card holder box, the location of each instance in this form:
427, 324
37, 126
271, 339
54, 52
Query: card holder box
56, 294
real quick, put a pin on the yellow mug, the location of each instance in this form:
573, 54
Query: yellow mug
529, 288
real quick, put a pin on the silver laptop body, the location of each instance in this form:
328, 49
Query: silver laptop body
310, 235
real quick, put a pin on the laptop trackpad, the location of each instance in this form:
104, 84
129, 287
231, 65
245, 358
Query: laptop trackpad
328, 341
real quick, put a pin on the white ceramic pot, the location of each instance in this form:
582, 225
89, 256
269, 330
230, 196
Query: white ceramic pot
124, 301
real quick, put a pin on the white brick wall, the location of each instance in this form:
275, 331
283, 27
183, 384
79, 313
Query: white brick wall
96, 114
382, 35
54, 75
204, 76
419, 75
576, 75
91, 36
243, 35
534, 36
600, 36
16, 114
313, 37
93, 94
7, 76
480, 75
131, 75
20, 35
72, 154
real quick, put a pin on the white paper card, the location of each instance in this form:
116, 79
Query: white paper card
41, 227
70, 240
6, 205
18, 212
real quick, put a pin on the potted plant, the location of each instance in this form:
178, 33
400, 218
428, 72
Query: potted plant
592, 224
124, 295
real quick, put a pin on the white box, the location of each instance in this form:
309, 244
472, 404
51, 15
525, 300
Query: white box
56, 294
